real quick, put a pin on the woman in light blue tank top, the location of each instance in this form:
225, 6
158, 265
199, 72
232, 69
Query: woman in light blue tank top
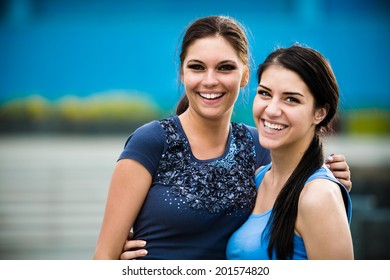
301, 210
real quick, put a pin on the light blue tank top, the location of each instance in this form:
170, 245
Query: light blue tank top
250, 241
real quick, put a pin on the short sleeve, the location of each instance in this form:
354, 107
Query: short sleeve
146, 146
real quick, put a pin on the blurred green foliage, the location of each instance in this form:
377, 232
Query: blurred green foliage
121, 112
367, 121
106, 112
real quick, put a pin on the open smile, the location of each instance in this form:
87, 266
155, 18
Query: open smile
211, 96
274, 126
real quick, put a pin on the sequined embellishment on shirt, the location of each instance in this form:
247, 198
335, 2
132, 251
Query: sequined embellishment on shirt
224, 184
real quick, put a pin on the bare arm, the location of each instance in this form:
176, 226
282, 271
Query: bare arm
128, 188
322, 222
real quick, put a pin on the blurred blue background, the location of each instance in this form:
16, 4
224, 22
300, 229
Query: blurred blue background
77, 76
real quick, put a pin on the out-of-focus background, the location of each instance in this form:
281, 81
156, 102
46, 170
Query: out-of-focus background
78, 76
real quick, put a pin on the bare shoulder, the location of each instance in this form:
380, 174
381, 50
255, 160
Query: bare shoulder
322, 221
319, 194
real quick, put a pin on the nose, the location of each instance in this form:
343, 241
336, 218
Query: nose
273, 108
210, 78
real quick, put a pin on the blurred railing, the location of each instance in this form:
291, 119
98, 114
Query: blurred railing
53, 190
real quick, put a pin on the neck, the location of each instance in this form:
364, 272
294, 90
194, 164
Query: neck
285, 160
215, 129
207, 137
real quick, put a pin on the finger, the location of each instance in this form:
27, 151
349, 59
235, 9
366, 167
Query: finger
347, 184
344, 178
335, 158
132, 255
133, 244
342, 175
338, 166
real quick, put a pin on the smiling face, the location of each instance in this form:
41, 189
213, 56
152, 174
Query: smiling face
212, 74
284, 110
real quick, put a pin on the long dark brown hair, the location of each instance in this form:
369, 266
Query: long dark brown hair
318, 75
224, 26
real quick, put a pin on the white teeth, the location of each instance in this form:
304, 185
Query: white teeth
211, 95
273, 126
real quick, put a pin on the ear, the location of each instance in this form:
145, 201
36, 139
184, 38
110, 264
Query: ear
320, 114
245, 77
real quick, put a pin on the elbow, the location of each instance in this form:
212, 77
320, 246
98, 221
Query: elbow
101, 255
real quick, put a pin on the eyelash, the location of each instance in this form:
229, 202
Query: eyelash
223, 68
292, 99
288, 98
196, 67
227, 67
263, 93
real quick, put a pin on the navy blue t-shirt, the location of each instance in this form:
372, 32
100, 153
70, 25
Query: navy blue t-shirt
193, 206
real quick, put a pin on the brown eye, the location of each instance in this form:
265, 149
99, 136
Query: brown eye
227, 67
292, 99
197, 67
263, 92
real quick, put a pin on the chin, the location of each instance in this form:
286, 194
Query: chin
269, 144
265, 144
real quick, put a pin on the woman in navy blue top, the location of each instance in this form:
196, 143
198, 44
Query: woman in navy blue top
193, 205
186, 183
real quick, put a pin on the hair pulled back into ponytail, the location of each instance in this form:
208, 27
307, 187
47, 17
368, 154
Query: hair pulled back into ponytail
318, 75
182, 106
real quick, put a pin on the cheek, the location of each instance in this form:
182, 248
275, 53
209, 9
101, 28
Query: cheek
231, 82
257, 107
303, 118
189, 81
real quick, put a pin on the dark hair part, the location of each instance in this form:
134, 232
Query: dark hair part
318, 75
224, 26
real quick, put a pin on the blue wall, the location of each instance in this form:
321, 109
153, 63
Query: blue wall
60, 47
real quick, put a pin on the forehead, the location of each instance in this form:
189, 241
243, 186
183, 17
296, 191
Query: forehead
283, 79
213, 47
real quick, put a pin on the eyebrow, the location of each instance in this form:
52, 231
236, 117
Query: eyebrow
260, 85
285, 93
194, 60
221, 62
